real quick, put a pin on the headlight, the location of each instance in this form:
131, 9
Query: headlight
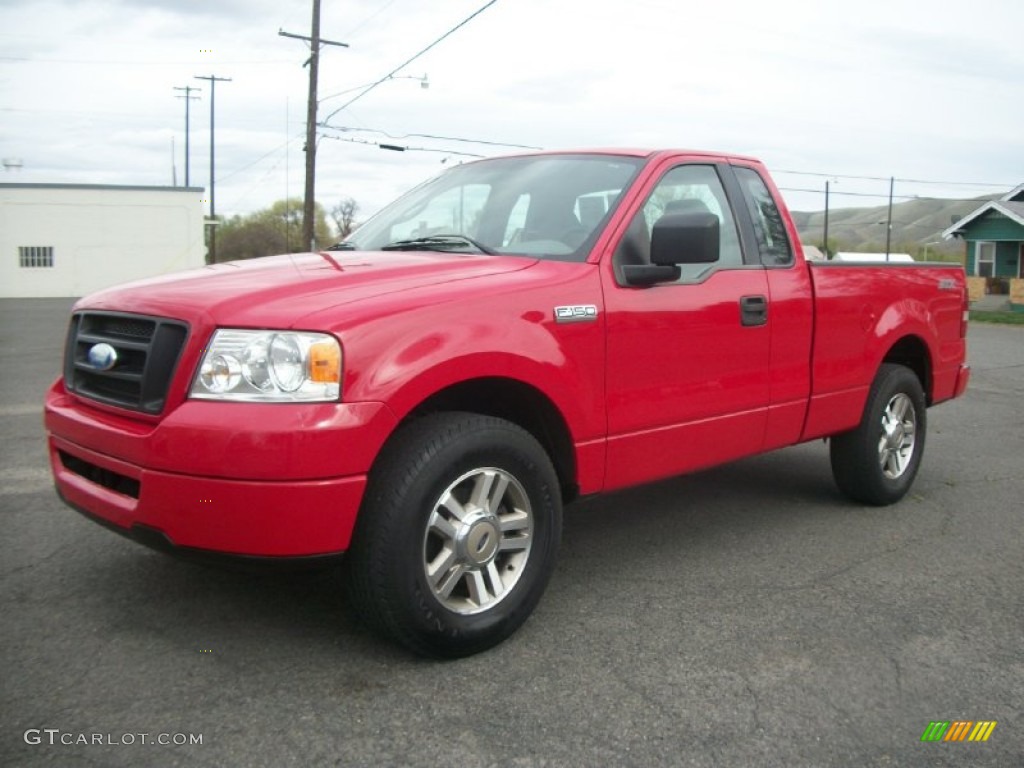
269, 366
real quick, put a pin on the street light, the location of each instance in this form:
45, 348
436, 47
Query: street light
423, 81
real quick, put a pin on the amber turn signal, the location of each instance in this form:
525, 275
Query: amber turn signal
324, 362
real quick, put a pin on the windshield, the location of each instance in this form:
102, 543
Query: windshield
547, 206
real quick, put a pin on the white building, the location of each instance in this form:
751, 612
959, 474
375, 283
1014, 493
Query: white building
72, 239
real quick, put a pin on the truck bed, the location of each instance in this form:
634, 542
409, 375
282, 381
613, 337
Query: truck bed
863, 312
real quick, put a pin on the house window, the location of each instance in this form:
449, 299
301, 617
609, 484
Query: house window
31, 256
986, 261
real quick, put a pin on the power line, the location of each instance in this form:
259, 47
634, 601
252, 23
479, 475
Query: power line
882, 196
460, 139
259, 182
848, 194
409, 61
370, 18
830, 175
955, 183
423, 81
397, 148
259, 159
818, 174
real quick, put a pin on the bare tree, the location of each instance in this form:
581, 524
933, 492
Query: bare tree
344, 215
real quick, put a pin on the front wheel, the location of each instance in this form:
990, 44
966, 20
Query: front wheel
876, 463
457, 535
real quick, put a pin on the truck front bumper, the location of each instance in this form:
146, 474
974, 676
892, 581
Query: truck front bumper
264, 501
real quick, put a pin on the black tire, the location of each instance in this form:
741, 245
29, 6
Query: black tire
404, 576
876, 463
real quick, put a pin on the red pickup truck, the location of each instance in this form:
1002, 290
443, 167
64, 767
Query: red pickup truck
516, 333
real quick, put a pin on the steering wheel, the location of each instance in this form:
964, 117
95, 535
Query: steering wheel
574, 235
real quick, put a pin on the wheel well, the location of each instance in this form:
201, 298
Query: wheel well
521, 404
911, 352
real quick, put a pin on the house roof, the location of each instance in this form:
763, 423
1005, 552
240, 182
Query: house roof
1016, 194
1011, 209
116, 187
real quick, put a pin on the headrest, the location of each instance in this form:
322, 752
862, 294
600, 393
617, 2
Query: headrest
686, 205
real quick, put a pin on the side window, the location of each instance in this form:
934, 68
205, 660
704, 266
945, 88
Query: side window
684, 187
768, 224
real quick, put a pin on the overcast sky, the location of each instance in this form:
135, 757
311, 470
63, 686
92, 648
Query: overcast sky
918, 89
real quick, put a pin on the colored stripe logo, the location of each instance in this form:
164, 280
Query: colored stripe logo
958, 730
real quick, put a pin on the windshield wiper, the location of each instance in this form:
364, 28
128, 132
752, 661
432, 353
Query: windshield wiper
438, 243
344, 245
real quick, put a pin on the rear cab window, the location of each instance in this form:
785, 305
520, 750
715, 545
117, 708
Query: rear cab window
769, 227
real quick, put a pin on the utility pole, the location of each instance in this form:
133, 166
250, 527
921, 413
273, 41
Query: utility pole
212, 253
309, 202
888, 228
187, 97
825, 244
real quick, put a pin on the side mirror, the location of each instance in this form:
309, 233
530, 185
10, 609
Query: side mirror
685, 238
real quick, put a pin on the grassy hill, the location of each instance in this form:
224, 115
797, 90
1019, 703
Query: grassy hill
914, 223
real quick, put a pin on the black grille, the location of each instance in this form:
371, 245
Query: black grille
105, 477
147, 351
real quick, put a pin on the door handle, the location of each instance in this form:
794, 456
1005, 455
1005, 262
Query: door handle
754, 310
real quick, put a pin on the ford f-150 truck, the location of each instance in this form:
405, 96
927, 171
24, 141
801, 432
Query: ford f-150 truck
519, 332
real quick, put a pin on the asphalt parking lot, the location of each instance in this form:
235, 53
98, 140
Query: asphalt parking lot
745, 616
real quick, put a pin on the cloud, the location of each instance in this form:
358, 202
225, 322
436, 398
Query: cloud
86, 88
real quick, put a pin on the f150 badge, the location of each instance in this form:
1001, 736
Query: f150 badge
576, 313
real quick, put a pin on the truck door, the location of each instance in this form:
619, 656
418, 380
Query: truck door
792, 306
687, 364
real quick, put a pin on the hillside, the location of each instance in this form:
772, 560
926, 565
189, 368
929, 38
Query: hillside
914, 223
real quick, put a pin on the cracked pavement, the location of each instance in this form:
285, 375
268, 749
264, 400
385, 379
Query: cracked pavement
747, 615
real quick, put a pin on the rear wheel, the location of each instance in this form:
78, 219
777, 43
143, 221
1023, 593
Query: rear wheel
457, 535
876, 463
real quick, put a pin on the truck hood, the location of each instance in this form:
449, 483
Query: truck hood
277, 290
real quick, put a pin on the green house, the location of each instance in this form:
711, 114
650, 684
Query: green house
994, 237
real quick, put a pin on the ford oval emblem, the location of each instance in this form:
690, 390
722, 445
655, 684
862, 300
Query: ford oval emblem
102, 357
